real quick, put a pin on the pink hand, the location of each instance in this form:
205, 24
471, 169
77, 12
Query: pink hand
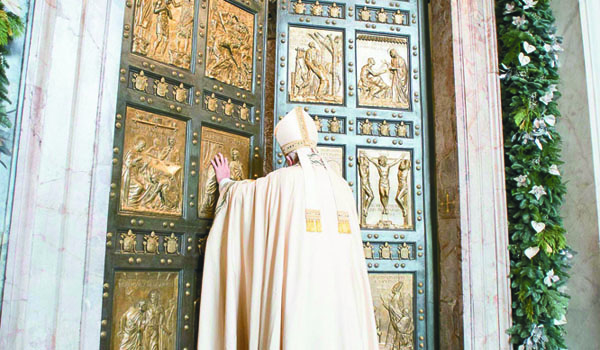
221, 166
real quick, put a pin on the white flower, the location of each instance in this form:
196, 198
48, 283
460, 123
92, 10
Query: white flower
547, 98
509, 8
552, 88
551, 278
529, 4
528, 47
538, 226
550, 119
519, 21
531, 252
539, 123
524, 59
561, 321
539, 144
553, 169
557, 47
526, 138
538, 192
547, 47
521, 180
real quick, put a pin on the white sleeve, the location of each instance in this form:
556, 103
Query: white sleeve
223, 183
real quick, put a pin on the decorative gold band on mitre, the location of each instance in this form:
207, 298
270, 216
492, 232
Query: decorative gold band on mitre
295, 145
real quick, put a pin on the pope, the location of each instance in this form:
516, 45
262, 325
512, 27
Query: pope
284, 265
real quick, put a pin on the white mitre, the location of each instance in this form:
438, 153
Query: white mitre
297, 132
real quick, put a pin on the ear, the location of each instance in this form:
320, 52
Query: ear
289, 160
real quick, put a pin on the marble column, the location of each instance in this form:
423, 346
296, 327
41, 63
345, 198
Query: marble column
53, 291
474, 288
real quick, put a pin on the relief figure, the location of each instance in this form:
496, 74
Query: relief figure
366, 127
316, 9
135, 165
161, 87
335, 11
382, 16
236, 167
371, 81
334, 125
140, 81
404, 252
181, 93
398, 17
319, 124
143, 13
299, 7
402, 194
368, 250
211, 102
163, 15
399, 72
131, 327
155, 332
364, 14
365, 186
383, 166
384, 129
385, 251
244, 112
401, 324
401, 130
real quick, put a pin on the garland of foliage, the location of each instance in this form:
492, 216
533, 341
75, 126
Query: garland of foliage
528, 48
11, 26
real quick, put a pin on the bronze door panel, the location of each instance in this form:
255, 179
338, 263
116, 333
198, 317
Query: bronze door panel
361, 73
179, 99
236, 148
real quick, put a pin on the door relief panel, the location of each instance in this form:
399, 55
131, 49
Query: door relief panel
230, 44
146, 305
316, 73
385, 189
394, 309
236, 148
154, 155
162, 31
383, 75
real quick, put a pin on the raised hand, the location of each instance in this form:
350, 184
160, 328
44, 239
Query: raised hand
221, 166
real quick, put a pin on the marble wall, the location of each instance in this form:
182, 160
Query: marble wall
54, 274
9, 137
579, 210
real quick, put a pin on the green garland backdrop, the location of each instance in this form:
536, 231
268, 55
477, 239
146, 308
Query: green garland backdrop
528, 50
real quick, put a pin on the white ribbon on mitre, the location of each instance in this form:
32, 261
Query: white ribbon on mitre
297, 132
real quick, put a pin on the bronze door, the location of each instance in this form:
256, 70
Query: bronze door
359, 70
191, 85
